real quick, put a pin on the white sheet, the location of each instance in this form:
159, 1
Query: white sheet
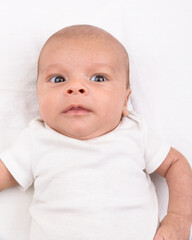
158, 36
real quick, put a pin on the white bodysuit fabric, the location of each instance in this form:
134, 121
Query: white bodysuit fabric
89, 189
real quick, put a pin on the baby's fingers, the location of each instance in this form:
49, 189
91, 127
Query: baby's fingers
174, 227
161, 235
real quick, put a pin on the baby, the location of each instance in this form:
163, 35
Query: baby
88, 157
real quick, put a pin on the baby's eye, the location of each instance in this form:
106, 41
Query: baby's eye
57, 79
98, 78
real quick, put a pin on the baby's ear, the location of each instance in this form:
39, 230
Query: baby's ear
125, 110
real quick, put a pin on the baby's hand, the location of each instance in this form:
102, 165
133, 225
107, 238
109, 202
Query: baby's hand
174, 227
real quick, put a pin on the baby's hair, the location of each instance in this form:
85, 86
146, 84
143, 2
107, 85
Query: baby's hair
90, 32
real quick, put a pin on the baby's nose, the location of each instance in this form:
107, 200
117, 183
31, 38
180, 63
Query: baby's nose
76, 91
76, 88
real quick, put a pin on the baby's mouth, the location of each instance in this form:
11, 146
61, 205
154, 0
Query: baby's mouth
76, 109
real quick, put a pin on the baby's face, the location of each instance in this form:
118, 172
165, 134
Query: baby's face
82, 87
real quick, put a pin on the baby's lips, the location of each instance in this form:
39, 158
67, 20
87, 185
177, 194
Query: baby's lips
76, 108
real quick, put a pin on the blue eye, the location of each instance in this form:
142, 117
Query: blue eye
57, 79
98, 78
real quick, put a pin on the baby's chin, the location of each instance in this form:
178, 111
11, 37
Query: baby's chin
82, 128
80, 133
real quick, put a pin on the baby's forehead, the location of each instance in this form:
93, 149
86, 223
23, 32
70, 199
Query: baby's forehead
86, 34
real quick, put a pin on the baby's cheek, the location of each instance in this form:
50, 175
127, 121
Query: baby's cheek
45, 107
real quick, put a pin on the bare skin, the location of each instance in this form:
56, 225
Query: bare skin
76, 64
176, 224
6, 179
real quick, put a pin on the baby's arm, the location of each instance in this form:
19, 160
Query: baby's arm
176, 224
6, 179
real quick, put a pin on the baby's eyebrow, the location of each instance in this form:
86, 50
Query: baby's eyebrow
52, 68
103, 66
94, 67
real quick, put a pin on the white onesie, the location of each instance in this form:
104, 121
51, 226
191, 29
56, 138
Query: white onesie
96, 189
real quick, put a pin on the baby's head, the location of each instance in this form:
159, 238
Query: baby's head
83, 82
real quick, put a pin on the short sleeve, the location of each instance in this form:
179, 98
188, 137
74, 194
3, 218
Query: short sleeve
155, 150
17, 159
